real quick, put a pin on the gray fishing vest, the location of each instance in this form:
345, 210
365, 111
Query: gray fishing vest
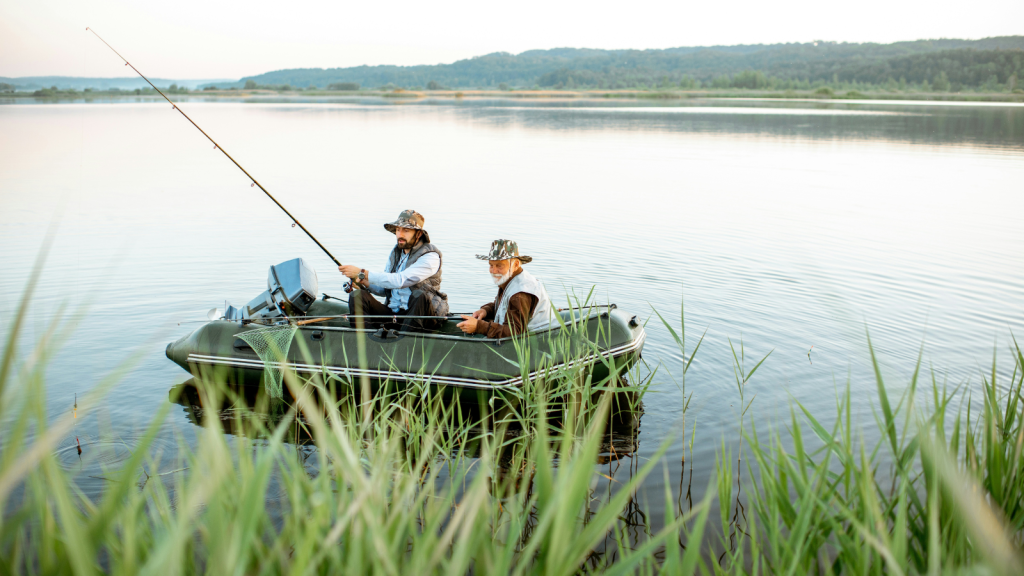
431, 287
526, 282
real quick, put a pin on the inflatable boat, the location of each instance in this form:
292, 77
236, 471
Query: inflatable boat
321, 336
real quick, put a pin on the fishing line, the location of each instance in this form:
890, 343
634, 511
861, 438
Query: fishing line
217, 147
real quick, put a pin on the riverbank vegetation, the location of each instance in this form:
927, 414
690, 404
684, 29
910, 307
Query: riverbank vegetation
947, 68
823, 92
405, 481
989, 65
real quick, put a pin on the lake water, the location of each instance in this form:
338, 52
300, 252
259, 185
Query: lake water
787, 225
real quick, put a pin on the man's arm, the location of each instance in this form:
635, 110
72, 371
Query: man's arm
520, 310
424, 268
352, 272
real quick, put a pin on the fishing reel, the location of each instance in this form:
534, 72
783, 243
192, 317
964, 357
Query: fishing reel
353, 284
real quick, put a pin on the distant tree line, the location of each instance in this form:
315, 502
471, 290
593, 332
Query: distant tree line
55, 91
286, 87
990, 64
950, 70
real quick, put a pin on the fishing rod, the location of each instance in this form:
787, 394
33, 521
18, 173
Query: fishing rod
217, 147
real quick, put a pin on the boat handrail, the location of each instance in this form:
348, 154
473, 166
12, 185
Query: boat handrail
452, 316
441, 336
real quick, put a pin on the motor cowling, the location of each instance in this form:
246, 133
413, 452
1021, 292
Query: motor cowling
292, 287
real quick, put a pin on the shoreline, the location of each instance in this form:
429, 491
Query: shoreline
761, 95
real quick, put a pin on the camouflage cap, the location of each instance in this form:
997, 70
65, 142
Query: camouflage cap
504, 250
408, 219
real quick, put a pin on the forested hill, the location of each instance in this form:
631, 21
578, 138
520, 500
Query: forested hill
949, 63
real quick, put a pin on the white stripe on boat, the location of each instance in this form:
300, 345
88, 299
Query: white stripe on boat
407, 376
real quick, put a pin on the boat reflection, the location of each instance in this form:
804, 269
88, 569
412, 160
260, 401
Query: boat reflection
250, 414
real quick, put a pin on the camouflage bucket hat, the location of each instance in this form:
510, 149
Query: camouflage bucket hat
408, 219
504, 250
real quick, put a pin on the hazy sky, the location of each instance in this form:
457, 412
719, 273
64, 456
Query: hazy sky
231, 39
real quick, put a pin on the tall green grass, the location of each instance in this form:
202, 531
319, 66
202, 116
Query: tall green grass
404, 481
942, 489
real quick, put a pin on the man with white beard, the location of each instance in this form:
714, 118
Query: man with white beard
522, 304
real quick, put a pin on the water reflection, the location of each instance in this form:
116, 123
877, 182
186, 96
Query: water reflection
991, 125
994, 127
792, 224
249, 413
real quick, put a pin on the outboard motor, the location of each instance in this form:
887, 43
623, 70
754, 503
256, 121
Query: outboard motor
291, 289
292, 286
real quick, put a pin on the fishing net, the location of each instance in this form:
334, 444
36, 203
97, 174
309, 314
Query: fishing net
271, 344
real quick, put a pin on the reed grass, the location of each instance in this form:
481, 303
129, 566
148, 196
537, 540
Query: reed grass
941, 490
401, 481
404, 481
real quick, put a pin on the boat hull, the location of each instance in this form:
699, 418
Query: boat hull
599, 341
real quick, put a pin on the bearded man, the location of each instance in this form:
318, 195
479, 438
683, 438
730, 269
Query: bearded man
410, 282
522, 305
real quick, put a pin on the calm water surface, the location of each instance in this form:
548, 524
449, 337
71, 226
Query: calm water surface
785, 225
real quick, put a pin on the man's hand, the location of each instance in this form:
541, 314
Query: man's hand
349, 270
469, 326
480, 314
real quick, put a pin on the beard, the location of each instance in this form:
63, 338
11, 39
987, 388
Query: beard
403, 243
500, 279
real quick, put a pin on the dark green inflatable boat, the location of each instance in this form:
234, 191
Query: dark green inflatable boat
320, 335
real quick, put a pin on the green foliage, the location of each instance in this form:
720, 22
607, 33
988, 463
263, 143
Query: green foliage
406, 481
967, 63
343, 86
952, 496
721, 82
750, 79
399, 481
53, 91
689, 82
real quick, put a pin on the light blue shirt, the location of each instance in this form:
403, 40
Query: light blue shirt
400, 280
